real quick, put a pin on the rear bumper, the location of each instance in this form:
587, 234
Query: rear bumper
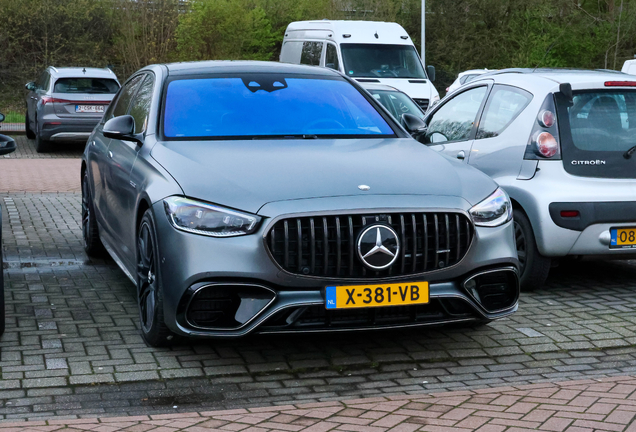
67, 130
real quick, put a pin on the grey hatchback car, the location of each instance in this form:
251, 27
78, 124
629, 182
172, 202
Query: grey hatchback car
256, 197
65, 104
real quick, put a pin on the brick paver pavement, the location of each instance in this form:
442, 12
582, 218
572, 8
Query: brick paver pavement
573, 406
40, 175
26, 150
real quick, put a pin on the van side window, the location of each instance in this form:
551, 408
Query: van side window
311, 53
290, 53
331, 60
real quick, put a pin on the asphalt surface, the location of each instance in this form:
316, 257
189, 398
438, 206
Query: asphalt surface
72, 345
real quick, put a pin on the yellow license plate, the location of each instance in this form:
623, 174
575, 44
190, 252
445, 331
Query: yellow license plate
622, 238
363, 296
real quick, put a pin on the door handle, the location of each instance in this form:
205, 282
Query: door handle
461, 155
110, 154
32, 97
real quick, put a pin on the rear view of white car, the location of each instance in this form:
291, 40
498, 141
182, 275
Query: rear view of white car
562, 144
465, 77
367, 51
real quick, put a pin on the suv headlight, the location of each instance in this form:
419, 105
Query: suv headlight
207, 219
493, 211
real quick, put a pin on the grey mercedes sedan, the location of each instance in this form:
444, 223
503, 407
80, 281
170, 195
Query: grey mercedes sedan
255, 197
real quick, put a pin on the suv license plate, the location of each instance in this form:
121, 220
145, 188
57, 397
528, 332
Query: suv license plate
364, 296
89, 108
623, 238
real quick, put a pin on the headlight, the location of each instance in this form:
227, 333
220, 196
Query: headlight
206, 219
493, 211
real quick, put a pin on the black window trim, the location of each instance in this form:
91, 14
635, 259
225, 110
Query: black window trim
489, 85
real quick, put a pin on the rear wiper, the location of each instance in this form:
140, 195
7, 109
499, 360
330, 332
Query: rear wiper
628, 154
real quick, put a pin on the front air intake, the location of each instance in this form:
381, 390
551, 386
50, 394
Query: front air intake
495, 290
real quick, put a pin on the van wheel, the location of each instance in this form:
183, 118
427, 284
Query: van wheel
534, 266
27, 126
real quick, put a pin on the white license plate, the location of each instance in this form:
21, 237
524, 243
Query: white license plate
89, 108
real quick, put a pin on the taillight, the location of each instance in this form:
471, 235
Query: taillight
546, 145
48, 99
620, 83
546, 118
544, 137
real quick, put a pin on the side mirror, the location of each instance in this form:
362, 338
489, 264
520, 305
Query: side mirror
430, 71
30, 86
414, 125
7, 144
1, 117
121, 128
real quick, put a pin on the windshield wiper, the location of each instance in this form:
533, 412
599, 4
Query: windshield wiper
267, 137
628, 154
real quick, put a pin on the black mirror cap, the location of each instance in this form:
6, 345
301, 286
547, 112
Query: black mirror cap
1, 117
7, 145
430, 71
121, 128
414, 125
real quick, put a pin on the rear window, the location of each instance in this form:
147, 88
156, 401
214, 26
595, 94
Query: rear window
86, 85
267, 105
597, 128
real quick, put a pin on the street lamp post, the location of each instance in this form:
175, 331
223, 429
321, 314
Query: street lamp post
423, 31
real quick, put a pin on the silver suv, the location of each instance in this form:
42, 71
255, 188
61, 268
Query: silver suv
560, 142
65, 104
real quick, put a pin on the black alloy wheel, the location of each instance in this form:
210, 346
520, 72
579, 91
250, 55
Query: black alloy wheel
150, 293
92, 244
27, 126
534, 267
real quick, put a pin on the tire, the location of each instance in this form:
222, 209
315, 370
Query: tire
90, 234
149, 287
534, 266
27, 126
41, 145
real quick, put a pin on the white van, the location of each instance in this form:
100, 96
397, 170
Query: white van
367, 51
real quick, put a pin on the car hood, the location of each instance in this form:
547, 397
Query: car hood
246, 175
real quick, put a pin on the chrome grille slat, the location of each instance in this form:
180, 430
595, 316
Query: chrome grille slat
326, 246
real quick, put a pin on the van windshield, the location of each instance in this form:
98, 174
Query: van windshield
381, 61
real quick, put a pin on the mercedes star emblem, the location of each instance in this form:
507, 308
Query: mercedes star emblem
378, 246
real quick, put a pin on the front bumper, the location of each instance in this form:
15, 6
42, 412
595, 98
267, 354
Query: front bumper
297, 303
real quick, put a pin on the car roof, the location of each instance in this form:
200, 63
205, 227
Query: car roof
552, 77
473, 72
245, 66
77, 72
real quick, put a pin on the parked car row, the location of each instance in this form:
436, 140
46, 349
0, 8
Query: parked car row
260, 197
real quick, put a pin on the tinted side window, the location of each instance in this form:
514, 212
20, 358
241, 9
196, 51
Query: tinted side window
141, 105
310, 54
504, 105
331, 60
455, 119
123, 101
43, 82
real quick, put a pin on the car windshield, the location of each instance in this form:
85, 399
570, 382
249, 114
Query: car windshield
86, 85
603, 120
381, 61
397, 103
268, 105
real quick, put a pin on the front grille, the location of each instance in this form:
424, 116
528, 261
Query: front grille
326, 246
423, 103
